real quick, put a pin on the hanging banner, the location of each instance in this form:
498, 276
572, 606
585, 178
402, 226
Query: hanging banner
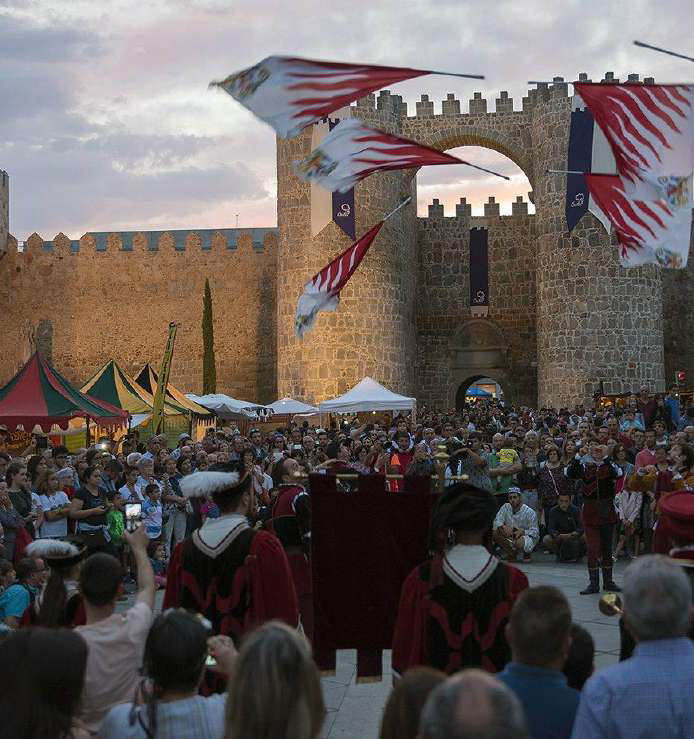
329, 206
479, 272
589, 151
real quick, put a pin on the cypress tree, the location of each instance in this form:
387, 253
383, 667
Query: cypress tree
209, 371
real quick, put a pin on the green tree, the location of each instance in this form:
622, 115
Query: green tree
209, 370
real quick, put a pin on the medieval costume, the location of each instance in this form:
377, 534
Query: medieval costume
291, 524
454, 608
233, 575
59, 604
599, 516
677, 524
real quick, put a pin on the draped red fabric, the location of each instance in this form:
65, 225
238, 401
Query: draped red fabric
364, 544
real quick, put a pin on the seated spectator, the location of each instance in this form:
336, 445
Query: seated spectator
649, 694
539, 634
168, 705
115, 640
580, 664
16, 598
41, 684
565, 531
288, 701
404, 707
472, 704
515, 527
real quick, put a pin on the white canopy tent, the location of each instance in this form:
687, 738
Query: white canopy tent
226, 406
368, 395
291, 407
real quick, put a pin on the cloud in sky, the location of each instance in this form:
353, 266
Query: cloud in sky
106, 120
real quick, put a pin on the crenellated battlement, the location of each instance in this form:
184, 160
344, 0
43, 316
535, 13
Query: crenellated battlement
177, 240
463, 211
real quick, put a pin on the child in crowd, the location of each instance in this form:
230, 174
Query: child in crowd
628, 506
159, 565
152, 512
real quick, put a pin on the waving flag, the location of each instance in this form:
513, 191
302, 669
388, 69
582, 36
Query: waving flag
650, 129
649, 232
322, 291
589, 151
352, 151
289, 93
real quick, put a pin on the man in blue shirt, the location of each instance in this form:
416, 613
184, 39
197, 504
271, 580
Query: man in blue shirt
539, 632
649, 694
15, 600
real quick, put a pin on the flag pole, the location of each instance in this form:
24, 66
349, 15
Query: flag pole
663, 51
395, 210
457, 74
488, 171
564, 171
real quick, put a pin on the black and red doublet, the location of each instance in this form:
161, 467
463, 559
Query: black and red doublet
235, 576
291, 523
453, 612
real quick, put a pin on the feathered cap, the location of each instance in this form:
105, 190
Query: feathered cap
65, 552
228, 478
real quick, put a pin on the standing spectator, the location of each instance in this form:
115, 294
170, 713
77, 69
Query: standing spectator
503, 463
169, 706
41, 683
539, 635
12, 525
469, 460
17, 597
20, 494
628, 503
130, 492
648, 695
646, 456
672, 403
115, 640
472, 704
54, 504
646, 405
527, 478
515, 527
406, 701
290, 686
152, 516
551, 483
580, 664
89, 507
565, 531
174, 506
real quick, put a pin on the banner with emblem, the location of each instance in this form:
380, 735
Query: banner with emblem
479, 272
589, 151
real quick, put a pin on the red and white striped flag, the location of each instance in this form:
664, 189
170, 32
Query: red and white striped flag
649, 232
322, 291
353, 151
290, 93
650, 129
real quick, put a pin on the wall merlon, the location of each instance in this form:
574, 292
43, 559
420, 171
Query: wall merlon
519, 207
478, 104
559, 89
504, 104
463, 209
450, 106
435, 209
491, 207
633, 79
425, 107
609, 78
368, 102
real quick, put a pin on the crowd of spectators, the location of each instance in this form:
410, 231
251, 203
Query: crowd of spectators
132, 673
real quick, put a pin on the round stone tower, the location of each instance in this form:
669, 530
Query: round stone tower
596, 321
373, 331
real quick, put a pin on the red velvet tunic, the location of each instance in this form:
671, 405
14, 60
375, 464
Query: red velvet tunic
450, 623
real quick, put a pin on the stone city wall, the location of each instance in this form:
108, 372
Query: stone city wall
112, 295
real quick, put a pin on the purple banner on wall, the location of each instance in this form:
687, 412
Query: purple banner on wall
479, 272
343, 203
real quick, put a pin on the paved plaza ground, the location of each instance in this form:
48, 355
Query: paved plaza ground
354, 711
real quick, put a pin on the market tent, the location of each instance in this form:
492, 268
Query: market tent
368, 395
477, 392
227, 407
38, 395
291, 407
148, 379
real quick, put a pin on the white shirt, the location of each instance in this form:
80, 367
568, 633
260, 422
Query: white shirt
524, 518
58, 527
129, 497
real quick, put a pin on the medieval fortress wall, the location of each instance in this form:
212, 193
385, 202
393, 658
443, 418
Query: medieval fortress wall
563, 314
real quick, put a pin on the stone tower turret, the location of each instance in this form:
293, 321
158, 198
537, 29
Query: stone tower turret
596, 321
373, 331
4, 210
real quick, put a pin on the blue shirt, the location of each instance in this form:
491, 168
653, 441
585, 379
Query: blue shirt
13, 602
673, 405
548, 702
649, 695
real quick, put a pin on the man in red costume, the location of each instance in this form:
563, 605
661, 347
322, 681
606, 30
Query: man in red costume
291, 524
454, 607
233, 575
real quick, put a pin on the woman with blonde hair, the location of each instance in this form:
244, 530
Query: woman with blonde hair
287, 703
